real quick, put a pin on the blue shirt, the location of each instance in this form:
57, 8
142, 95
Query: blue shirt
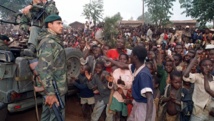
141, 81
81, 84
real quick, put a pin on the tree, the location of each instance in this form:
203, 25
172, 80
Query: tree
160, 11
111, 27
15, 5
93, 10
147, 18
202, 10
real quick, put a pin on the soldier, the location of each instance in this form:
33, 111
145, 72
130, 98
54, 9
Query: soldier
52, 65
4, 42
34, 15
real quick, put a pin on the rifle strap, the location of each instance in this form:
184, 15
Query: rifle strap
34, 92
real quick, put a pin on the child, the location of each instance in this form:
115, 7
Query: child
172, 98
156, 82
164, 72
122, 81
151, 67
187, 103
178, 60
86, 94
98, 82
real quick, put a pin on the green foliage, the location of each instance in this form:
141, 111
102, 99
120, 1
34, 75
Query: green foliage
93, 10
111, 27
202, 10
15, 5
147, 18
160, 11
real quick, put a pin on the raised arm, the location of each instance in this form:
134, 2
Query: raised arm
118, 64
192, 63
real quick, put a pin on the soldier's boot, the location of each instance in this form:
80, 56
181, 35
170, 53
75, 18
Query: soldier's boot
30, 51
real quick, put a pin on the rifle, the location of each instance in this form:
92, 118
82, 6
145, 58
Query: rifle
16, 16
8, 22
8, 8
39, 15
61, 104
57, 109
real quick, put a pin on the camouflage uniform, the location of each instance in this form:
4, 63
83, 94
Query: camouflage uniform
3, 46
29, 20
51, 66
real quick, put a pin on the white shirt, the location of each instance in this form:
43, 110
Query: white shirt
126, 76
200, 97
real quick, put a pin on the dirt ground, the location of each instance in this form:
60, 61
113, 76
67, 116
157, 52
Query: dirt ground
73, 112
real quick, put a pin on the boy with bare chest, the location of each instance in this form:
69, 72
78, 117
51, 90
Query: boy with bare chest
172, 98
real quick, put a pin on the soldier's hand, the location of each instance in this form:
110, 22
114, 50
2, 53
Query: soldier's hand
26, 9
39, 89
50, 100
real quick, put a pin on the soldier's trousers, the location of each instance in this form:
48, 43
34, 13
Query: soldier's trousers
48, 113
34, 32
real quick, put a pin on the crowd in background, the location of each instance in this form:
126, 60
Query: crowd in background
179, 60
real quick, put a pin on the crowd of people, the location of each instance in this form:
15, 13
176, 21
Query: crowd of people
173, 70
178, 74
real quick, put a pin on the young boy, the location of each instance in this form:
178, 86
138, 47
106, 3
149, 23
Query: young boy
86, 94
99, 84
186, 98
202, 95
156, 82
164, 72
172, 98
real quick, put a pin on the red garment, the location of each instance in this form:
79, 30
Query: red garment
113, 53
165, 37
129, 106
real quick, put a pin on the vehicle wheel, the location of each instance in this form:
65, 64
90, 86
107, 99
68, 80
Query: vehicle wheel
3, 111
73, 62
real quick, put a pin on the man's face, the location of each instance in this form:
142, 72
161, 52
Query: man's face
56, 26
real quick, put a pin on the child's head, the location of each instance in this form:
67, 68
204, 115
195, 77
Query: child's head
190, 55
211, 55
105, 49
99, 67
176, 79
97, 52
169, 66
151, 55
150, 66
156, 82
178, 49
82, 43
85, 68
123, 58
206, 66
178, 59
